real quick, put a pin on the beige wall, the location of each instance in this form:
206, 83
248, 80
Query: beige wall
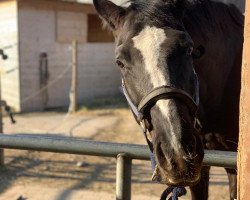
9, 68
38, 33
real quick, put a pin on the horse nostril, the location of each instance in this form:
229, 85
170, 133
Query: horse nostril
170, 162
164, 159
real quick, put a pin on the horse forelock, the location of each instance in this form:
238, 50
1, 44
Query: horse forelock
155, 12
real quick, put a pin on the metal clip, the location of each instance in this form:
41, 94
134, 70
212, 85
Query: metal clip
197, 124
156, 175
143, 126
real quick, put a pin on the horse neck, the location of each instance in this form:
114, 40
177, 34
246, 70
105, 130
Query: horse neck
222, 54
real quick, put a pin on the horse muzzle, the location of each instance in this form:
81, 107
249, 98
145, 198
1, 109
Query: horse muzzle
176, 181
178, 167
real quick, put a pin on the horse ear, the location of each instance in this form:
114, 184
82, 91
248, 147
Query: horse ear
110, 13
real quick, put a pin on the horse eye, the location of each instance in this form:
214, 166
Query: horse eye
190, 51
119, 64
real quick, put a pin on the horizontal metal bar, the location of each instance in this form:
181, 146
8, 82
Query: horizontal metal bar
93, 148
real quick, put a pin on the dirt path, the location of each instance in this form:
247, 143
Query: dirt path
50, 176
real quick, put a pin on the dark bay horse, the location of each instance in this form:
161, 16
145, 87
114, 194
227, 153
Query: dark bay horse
163, 47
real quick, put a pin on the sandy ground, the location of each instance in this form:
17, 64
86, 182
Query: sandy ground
50, 176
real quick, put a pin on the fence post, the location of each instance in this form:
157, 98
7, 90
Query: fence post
123, 177
244, 137
73, 90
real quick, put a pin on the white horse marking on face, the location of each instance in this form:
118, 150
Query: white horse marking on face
149, 42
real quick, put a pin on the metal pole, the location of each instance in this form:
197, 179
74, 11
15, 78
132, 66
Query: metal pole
73, 91
123, 177
83, 147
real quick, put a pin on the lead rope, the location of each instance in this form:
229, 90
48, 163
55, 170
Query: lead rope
176, 191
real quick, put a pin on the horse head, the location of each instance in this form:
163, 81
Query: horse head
154, 54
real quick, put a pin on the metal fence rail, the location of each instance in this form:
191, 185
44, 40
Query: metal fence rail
124, 153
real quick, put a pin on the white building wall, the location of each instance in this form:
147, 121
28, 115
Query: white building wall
9, 42
97, 75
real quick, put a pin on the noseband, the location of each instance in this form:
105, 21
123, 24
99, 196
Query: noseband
164, 92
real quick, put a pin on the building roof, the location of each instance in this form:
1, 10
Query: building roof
119, 2
239, 3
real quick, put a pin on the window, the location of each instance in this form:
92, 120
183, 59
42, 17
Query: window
96, 32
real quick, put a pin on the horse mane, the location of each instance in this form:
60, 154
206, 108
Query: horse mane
207, 16
202, 16
162, 13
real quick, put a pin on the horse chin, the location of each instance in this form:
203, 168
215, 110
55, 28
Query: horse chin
165, 178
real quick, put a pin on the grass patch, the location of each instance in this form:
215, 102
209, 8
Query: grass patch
105, 103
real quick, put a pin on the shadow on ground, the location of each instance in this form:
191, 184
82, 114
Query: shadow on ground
82, 177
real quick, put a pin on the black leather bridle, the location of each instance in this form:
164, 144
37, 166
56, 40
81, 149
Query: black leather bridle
163, 92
